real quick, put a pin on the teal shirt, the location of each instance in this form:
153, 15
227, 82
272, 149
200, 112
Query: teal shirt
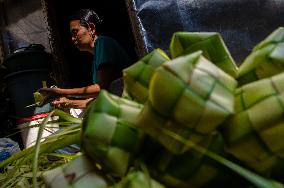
108, 51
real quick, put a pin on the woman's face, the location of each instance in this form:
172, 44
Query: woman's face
82, 37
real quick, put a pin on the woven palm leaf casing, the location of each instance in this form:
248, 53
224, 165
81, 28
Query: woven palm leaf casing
255, 133
137, 76
189, 96
192, 168
153, 124
108, 134
212, 45
265, 60
138, 179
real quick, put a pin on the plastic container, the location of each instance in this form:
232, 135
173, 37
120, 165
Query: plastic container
26, 69
26, 58
29, 135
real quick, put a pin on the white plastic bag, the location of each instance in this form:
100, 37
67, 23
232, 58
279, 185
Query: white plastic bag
8, 147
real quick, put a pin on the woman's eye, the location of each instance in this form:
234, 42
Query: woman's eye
74, 32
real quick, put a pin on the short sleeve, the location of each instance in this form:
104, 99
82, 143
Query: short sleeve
108, 51
105, 51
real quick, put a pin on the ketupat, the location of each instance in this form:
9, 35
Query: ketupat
212, 45
152, 123
79, 173
189, 96
194, 92
137, 76
266, 59
108, 135
254, 134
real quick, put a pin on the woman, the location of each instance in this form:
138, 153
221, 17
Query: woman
108, 62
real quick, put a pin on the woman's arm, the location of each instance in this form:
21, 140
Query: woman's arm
52, 94
88, 91
91, 90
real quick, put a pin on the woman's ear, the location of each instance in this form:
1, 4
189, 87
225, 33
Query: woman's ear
93, 28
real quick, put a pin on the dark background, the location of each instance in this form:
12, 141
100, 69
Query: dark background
116, 24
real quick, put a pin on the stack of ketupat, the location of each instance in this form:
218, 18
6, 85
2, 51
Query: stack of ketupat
191, 99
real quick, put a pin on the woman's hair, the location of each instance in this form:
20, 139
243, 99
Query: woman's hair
86, 16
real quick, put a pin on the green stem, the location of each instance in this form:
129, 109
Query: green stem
67, 117
37, 148
53, 142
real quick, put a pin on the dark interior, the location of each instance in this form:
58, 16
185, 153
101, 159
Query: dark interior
116, 24
77, 65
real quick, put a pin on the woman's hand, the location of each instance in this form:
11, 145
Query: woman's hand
64, 102
50, 94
